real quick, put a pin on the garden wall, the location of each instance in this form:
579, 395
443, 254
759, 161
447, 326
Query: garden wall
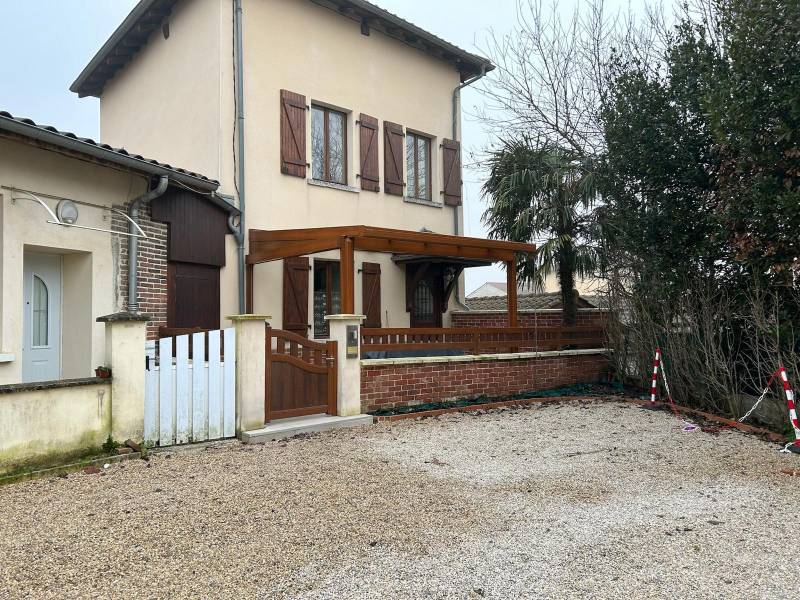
51, 422
387, 383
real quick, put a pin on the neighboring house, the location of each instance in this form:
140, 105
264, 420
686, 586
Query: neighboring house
66, 241
497, 288
350, 117
525, 301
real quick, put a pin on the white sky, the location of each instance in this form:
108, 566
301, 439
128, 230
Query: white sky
46, 43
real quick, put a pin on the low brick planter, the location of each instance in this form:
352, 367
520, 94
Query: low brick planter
390, 383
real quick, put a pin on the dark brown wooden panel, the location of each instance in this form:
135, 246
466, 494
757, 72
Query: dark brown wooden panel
295, 295
192, 296
393, 144
371, 293
293, 134
368, 138
451, 169
197, 228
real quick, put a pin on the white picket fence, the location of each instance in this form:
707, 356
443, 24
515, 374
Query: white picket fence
190, 400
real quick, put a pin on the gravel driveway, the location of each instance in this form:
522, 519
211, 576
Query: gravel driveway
590, 499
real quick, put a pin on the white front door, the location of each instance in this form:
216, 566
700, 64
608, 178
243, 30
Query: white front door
41, 332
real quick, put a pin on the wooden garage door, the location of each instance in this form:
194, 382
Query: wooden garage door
193, 295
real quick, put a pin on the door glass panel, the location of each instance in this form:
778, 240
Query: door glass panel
327, 295
317, 143
423, 301
320, 300
39, 319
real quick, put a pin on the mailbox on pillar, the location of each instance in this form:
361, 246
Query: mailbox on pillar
352, 341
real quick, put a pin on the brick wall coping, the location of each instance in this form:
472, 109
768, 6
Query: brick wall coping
423, 360
525, 311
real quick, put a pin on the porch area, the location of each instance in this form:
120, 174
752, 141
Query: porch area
358, 367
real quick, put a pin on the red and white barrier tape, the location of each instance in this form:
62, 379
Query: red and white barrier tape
787, 389
653, 388
687, 427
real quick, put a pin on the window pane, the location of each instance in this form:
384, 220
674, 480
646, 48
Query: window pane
336, 151
423, 147
317, 143
39, 317
411, 179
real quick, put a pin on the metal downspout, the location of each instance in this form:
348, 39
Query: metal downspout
240, 235
133, 240
456, 112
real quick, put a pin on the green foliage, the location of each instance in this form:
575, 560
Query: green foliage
701, 176
544, 193
110, 445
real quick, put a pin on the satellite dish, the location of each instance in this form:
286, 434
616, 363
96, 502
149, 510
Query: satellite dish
67, 212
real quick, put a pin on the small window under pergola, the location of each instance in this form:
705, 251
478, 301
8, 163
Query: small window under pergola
267, 246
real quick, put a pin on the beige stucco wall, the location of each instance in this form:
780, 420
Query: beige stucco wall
52, 425
160, 106
166, 102
89, 279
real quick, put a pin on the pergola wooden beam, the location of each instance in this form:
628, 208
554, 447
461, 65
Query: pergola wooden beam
267, 246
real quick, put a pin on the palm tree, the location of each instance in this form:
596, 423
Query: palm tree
544, 194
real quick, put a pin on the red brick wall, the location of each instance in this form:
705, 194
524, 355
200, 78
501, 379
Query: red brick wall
386, 386
525, 319
152, 261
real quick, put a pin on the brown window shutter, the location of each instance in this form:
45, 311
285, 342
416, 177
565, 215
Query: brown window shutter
451, 169
371, 293
370, 178
293, 134
295, 295
393, 139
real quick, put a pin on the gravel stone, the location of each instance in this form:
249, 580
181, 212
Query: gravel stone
548, 501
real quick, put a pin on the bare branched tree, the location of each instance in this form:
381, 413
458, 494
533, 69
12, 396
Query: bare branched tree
552, 71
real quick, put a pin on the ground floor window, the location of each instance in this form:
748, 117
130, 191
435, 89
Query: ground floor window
327, 297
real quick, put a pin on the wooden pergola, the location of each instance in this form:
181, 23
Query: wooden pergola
267, 246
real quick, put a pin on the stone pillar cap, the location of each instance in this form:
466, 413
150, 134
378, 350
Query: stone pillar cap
122, 317
345, 317
248, 317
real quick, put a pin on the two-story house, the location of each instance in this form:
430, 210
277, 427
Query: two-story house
311, 114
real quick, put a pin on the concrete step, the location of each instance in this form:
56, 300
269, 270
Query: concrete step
285, 428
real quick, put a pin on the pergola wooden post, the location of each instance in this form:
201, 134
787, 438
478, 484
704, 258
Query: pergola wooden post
347, 277
511, 285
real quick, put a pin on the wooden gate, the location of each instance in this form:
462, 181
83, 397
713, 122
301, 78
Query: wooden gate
300, 376
190, 388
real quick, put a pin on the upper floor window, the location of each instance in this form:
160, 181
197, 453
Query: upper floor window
418, 166
328, 145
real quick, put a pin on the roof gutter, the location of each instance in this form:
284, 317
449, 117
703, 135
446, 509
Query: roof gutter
456, 115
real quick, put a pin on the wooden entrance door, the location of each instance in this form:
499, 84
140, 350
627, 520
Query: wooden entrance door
300, 376
425, 295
